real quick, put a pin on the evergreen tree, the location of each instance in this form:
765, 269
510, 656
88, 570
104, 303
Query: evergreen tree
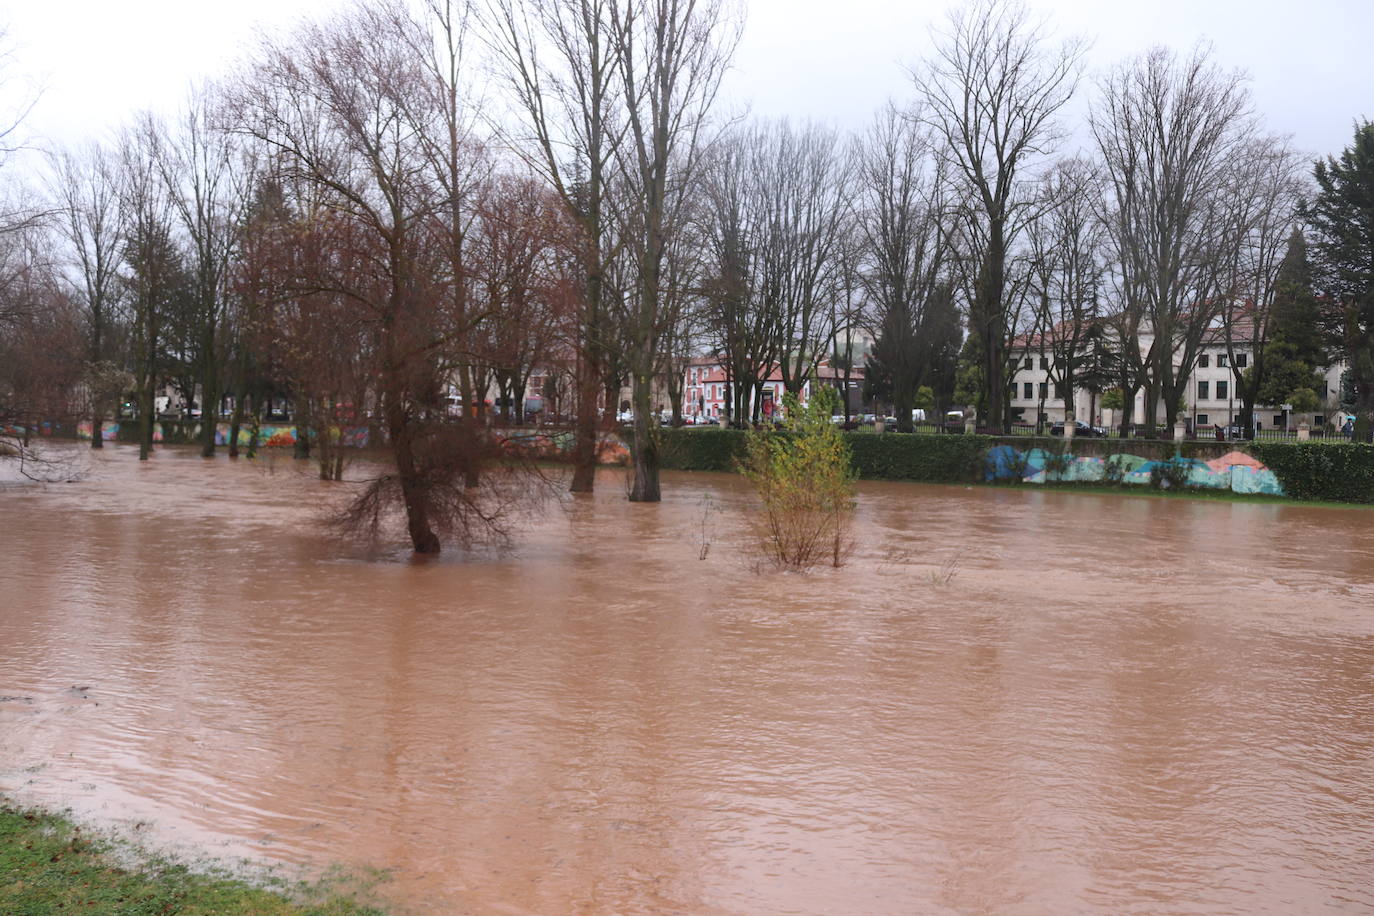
1297, 349
1342, 215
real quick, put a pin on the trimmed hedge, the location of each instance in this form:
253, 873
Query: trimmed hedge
1306, 470
891, 456
707, 449
912, 456
1339, 472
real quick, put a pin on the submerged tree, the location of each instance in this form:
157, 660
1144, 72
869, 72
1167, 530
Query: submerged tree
351, 110
804, 478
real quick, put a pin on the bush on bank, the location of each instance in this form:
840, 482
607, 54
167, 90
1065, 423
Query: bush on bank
1306, 470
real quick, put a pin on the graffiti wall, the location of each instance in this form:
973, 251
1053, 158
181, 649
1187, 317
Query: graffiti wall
268, 436
1234, 471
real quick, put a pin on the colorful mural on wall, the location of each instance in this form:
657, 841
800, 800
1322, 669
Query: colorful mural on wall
1234, 471
552, 445
268, 436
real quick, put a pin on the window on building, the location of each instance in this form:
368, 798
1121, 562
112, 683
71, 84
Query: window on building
1044, 389
1223, 361
1223, 390
1059, 390
1028, 390
1026, 363
1204, 361
1242, 360
1045, 363
1202, 419
1318, 420
1202, 388
1278, 419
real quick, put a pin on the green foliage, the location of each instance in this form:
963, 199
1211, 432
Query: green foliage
806, 484
1342, 217
928, 459
708, 448
1286, 374
925, 397
1304, 400
1113, 399
1338, 472
48, 865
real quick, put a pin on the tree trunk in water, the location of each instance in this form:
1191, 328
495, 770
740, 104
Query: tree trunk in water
209, 417
145, 419
236, 423
585, 431
301, 450
645, 488
97, 432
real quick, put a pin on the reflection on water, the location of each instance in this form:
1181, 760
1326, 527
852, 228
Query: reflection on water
1114, 705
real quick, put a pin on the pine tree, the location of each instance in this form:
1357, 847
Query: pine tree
1297, 348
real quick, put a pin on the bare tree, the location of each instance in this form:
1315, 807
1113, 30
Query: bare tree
196, 163
154, 278
89, 221
1267, 209
349, 107
906, 250
742, 320
809, 182
992, 92
559, 59
1066, 249
670, 56
1172, 132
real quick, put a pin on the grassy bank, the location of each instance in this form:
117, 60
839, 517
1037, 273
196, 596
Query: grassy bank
50, 865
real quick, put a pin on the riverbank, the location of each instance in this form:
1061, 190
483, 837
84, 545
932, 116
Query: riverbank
1186, 493
50, 864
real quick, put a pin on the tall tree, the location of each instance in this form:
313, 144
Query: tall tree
196, 162
1171, 132
670, 58
1267, 207
992, 92
902, 210
1066, 245
1342, 218
559, 60
90, 224
349, 108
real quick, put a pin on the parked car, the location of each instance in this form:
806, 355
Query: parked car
1080, 429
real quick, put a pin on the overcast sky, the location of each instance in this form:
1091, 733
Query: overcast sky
832, 60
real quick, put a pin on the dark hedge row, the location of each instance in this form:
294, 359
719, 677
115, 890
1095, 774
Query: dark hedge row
892, 456
928, 459
1307, 470
1340, 472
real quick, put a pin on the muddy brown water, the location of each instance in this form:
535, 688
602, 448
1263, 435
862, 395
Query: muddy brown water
1009, 702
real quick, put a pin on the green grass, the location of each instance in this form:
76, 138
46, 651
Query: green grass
50, 865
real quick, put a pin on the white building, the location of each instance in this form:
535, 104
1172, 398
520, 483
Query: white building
1211, 398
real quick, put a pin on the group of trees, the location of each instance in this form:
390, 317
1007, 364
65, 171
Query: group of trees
405, 200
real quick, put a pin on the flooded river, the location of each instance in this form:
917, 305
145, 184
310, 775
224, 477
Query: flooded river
1009, 702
